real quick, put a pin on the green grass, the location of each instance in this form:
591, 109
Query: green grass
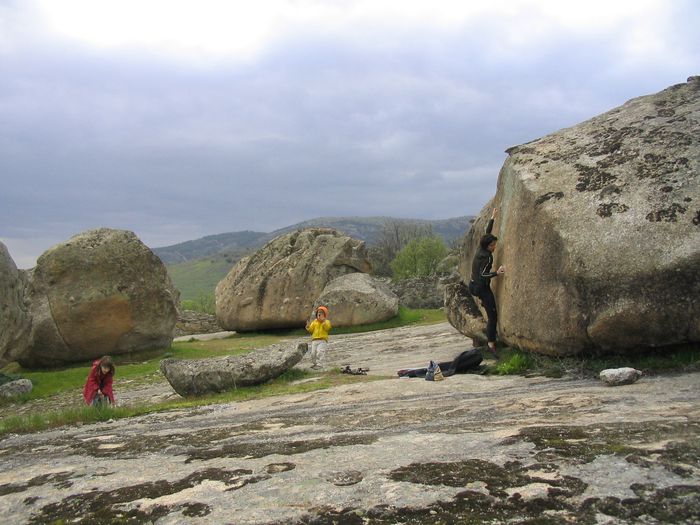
143, 367
203, 303
198, 278
517, 362
286, 384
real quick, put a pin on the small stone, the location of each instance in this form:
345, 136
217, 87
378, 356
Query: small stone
620, 376
344, 479
16, 388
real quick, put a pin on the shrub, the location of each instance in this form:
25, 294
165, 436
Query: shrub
203, 303
517, 363
419, 258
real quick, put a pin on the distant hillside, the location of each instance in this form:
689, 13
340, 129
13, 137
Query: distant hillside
197, 266
235, 244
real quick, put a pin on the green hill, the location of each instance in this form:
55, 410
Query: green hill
197, 266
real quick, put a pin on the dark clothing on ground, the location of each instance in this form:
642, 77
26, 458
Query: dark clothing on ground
465, 362
480, 285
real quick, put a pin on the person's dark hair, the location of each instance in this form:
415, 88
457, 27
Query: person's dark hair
107, 362
486, 240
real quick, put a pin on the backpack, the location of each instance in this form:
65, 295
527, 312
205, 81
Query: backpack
434, 373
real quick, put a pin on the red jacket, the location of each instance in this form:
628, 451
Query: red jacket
96, 380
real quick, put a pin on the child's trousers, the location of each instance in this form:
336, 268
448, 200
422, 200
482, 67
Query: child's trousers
318, 352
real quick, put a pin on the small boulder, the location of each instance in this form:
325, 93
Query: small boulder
620, 376
358, 298
16, 388
463, 312
191, 377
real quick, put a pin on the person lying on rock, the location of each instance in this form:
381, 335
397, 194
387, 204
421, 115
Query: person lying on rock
480, 284
319, 328
98, 387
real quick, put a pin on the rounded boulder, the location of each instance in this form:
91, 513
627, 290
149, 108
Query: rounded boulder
358, 298
277, 286
101, 292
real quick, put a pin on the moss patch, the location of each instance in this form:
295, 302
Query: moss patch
284, 448
496, 478
104, 506
583, 444
60, 480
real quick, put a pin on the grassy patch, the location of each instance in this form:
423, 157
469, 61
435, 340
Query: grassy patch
142, 366
198, 278
204, 303
516, 362
288, 383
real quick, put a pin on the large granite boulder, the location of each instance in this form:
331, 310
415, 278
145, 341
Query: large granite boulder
276, 286
15, 320
599, 231
358, 298
191, 377
101, 292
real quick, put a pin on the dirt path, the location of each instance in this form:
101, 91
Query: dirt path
470, 449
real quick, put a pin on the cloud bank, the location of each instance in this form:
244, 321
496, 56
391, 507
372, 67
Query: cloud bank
183, 119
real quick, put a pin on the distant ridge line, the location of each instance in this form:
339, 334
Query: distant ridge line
240, 242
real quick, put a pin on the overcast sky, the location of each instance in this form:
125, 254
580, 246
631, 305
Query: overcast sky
179, 119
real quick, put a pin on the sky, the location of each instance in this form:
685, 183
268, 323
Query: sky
178, 119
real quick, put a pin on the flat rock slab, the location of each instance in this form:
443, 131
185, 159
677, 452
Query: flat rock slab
470, 449
385, 352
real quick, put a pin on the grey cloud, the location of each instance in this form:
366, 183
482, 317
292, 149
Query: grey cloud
317, 126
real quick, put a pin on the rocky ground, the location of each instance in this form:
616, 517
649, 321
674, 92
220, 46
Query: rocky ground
470, 449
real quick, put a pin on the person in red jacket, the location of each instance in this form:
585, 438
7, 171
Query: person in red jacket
98, 387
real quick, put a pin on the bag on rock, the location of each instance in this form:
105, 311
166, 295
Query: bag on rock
434, 373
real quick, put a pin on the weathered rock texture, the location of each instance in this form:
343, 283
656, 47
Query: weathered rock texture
190, 377
600, 231
276, 286
468, 450
463, 313
190, 322
101, 292
16, 388
358, 298
14, 315
419, 292
620, 376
